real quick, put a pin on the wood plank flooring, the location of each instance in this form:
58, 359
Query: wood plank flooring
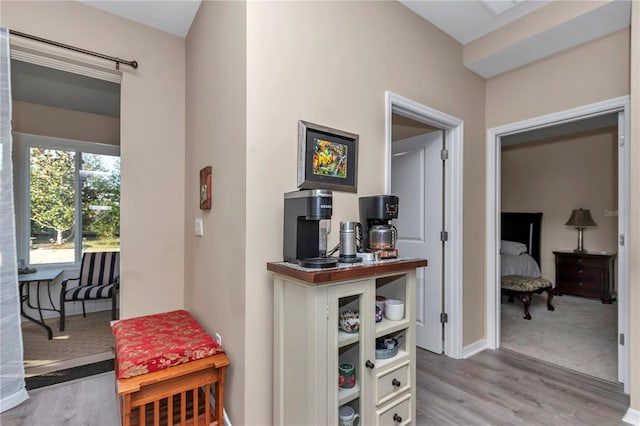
490, 388
85, 402
505, 388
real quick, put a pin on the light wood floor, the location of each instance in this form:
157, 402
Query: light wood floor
505, 388
84, 402
490, 388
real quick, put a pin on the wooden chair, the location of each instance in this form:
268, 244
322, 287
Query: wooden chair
99, 279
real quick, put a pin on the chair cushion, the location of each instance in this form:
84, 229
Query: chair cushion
524, 283
154, 342
89, 292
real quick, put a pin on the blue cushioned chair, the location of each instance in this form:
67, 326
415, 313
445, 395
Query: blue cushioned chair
99, 279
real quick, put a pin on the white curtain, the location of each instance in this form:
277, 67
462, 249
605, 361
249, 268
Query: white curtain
12, 385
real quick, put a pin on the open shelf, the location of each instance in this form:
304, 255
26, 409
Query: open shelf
347, 395
345, 338
386, 326
382, 363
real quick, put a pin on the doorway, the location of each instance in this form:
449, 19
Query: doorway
619, 107
446, 325
65, 124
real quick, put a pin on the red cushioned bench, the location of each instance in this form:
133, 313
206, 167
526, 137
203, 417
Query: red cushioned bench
165, 366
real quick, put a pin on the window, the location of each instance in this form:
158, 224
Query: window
67, 199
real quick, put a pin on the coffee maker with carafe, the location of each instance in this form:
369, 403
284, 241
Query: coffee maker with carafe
378, 235
307, 223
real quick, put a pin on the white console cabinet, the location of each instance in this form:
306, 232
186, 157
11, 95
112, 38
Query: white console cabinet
309, 346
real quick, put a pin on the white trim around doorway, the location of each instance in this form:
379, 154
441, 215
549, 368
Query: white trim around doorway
453, 130
494, 135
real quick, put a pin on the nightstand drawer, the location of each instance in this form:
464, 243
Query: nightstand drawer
579, 287
583, 262
592, 276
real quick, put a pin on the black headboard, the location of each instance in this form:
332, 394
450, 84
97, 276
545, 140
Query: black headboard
523, 228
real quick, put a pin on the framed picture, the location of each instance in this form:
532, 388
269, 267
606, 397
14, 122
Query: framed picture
327, 158
205, 188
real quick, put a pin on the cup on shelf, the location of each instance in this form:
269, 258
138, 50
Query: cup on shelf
380, 302
348, 416
378, 314
349, 321
346, 375
394, 309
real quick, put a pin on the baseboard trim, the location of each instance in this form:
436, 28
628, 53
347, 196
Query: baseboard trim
474, 348
632, 417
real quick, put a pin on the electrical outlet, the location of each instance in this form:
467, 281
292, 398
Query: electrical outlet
219, 339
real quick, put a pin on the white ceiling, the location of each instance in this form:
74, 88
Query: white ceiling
171, 16
463, 20
468, 20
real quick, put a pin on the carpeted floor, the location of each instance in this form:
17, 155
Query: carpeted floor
84, 341
581, 334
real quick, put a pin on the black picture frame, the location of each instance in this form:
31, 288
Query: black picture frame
327, 158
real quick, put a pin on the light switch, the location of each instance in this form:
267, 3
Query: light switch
199, 227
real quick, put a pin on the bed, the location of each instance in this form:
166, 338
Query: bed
520, 259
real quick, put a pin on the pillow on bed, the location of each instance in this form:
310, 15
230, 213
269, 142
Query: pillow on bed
512, 247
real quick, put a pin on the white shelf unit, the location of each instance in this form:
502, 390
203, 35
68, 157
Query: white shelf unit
309, 347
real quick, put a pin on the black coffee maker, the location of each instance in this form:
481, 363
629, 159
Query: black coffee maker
307, 223
378, 235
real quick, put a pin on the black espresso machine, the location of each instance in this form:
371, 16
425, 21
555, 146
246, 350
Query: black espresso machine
307, 223
377, 233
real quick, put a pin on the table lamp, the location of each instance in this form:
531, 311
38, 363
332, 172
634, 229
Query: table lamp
580, 219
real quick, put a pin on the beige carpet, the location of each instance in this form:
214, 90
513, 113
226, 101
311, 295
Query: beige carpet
581, 334
84, 341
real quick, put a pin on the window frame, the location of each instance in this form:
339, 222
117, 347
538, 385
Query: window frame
23, 142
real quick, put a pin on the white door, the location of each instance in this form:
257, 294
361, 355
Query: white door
417, 179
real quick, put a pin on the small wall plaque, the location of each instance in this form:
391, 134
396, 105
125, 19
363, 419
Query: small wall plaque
205, 188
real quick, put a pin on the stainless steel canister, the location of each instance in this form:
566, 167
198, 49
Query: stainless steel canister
348, 246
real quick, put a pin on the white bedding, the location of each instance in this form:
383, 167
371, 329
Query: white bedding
522, 264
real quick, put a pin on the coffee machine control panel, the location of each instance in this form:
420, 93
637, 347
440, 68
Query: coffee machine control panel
391, 209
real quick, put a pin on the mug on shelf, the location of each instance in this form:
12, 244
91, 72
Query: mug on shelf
348, 416
394, 309
346, 375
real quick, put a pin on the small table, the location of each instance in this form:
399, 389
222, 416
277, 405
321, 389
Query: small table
585, 274
39, 277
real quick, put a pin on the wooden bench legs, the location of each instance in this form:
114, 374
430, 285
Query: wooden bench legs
526, 299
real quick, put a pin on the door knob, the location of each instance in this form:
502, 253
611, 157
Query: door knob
369, 365
396, 383
397, 418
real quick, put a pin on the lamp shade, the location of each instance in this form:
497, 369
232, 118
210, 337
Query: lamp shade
580, 218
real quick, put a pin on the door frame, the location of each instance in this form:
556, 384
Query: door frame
453, 273
493, 167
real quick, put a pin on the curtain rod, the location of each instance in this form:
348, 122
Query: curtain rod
118, 61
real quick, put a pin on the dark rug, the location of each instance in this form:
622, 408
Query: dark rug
74, 373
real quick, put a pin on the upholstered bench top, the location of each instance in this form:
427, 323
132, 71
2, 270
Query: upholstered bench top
154, 342
523, 283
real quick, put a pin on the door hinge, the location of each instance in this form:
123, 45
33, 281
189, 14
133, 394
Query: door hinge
621, 239
327, 311
444, 236
444, 154
621, 339
621, 139
444, 317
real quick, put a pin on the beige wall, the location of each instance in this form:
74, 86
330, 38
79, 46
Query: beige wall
216, 289
588, 73
152, 139
45, 120
330, 63
634, 256
558, 175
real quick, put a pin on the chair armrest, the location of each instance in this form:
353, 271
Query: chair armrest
64, 282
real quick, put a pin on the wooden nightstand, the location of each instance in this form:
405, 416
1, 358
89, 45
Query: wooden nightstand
585, 274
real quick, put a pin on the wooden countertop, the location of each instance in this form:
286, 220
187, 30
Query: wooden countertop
344, 271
